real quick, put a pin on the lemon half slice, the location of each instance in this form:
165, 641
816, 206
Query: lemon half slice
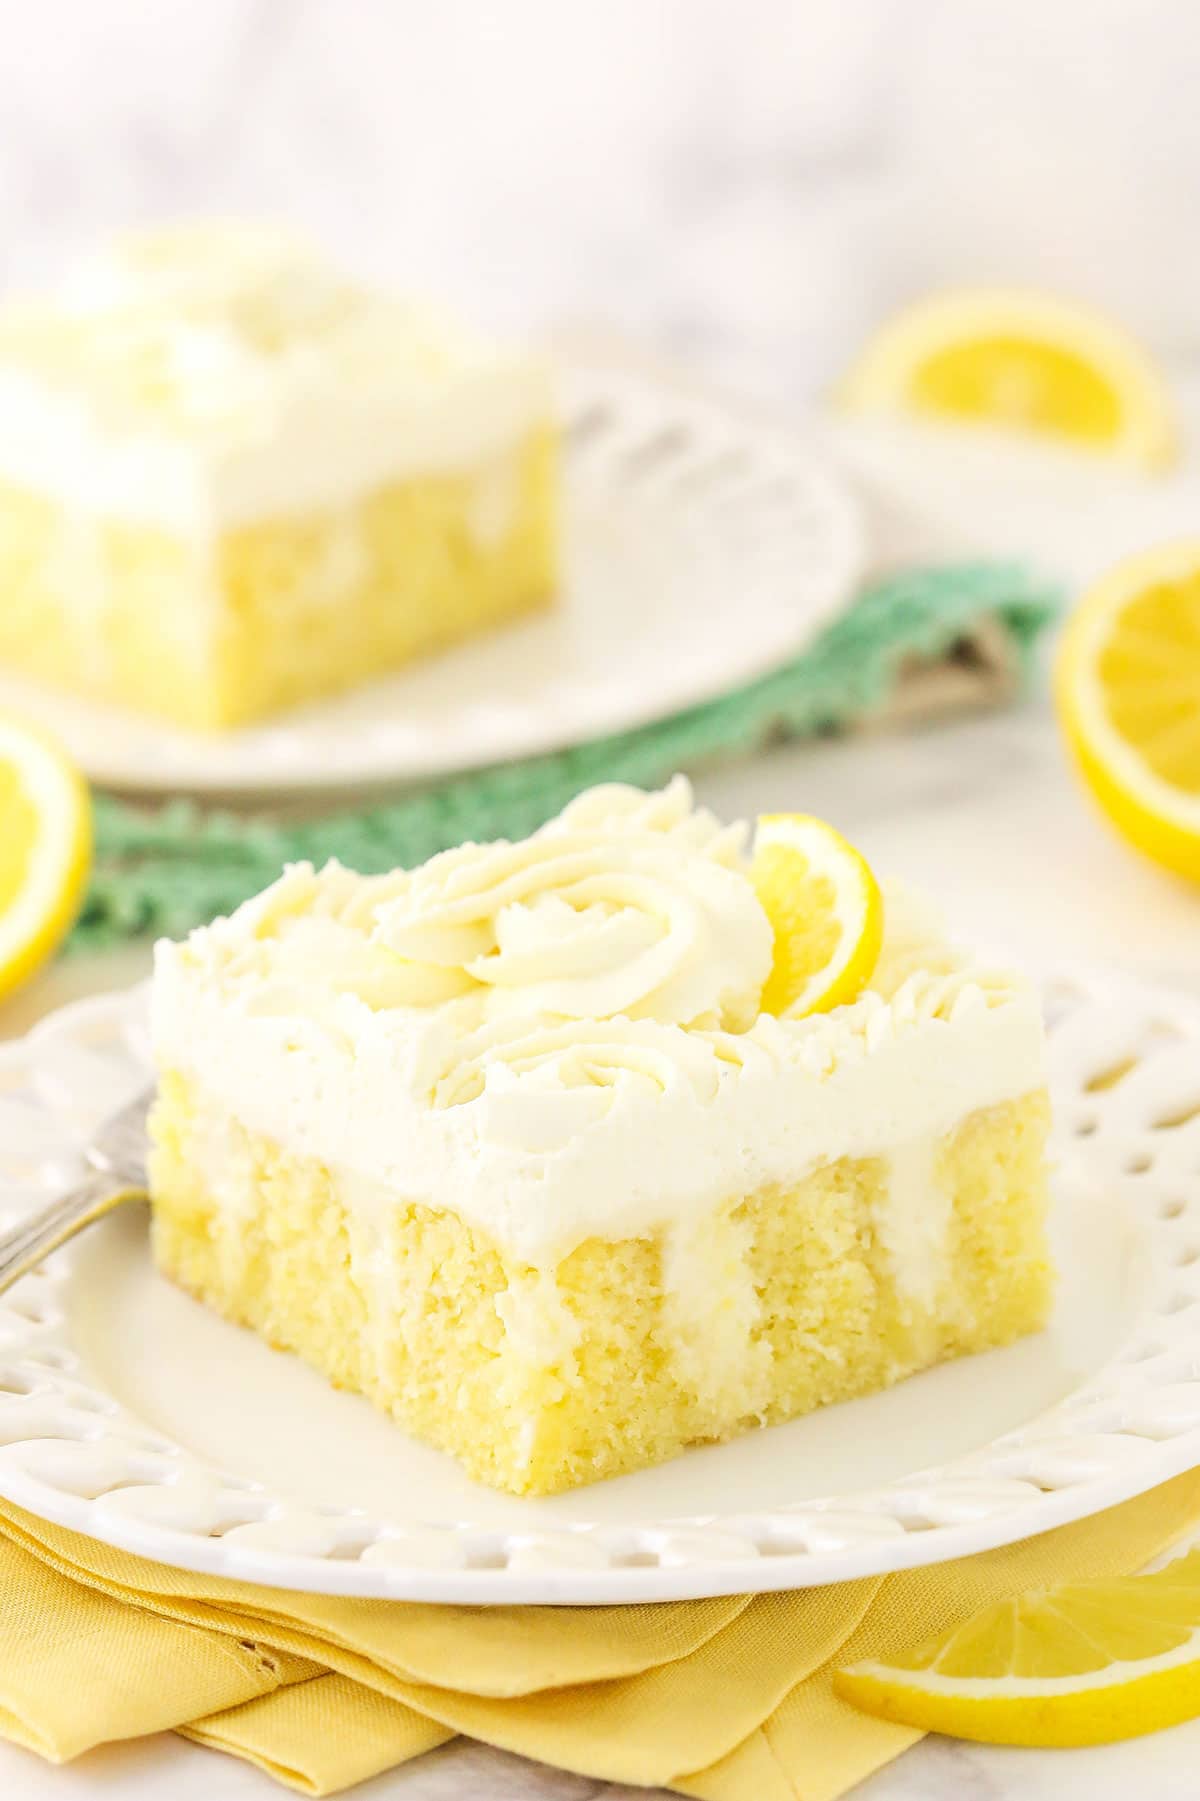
45, 849
826, 911
1078, 1665
1128, 695
1020, 362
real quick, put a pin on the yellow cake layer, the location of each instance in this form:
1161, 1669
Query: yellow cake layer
539, 1380
272, 614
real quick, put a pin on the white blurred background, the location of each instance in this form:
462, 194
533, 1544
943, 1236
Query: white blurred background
748, 183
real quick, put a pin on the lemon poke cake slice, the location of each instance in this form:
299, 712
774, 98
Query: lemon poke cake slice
232, 480
509, 1144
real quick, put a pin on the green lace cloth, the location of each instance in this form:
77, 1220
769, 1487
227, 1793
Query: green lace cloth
166, 871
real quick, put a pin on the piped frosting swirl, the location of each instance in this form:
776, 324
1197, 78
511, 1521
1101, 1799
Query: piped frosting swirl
614, 910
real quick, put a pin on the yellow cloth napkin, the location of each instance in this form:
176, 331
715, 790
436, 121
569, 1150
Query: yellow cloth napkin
729, 1700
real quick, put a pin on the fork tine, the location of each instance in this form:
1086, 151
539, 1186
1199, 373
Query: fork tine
119, 1146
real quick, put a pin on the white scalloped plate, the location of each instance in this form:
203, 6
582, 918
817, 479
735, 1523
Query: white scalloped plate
129, 1412
700, 551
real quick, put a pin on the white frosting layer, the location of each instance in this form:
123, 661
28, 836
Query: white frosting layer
203, 378
560, 1039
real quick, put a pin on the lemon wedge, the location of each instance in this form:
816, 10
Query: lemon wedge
1020, 362
1078, 1665
825, 909
45, 849
1127, 689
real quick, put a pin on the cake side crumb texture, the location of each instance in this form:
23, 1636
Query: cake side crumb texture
539, 1380
215, 635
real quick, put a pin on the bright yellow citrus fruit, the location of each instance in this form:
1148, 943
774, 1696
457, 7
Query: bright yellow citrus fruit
1020, 362
1078, 1665
1128, 695
826, 911
45, 849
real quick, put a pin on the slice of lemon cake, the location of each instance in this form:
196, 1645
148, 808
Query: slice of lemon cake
231, 480
507, 1143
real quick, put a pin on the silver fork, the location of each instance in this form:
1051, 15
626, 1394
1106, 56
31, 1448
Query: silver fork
116, 1160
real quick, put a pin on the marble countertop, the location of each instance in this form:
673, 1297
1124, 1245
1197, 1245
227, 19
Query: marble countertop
750, 185
985, 813
1163, 1767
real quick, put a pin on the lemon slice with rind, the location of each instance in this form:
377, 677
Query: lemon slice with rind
45, 849
825, 909
1018, 362
1128, 694
1083, 1664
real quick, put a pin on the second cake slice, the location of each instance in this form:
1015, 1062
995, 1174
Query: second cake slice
231, 480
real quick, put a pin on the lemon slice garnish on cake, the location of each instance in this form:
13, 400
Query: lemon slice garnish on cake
1020, 362
45, 849
825, 909
1082, 1664
1128, 695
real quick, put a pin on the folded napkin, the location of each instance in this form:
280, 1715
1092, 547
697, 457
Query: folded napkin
729, 1700
918, 643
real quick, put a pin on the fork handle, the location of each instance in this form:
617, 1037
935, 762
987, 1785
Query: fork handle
32, 1240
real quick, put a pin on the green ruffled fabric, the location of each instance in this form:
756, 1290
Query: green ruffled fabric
167, 871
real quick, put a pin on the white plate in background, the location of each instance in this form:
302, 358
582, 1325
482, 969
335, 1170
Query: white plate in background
700, 551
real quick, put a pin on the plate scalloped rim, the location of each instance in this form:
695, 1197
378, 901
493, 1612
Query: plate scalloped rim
1126, 1078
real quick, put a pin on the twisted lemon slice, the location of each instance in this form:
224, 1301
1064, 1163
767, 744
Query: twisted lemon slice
1078, 1665
1019, 361
1128, 695
826, 911
45, 849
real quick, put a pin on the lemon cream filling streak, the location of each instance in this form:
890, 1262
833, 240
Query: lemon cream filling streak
506, 1144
